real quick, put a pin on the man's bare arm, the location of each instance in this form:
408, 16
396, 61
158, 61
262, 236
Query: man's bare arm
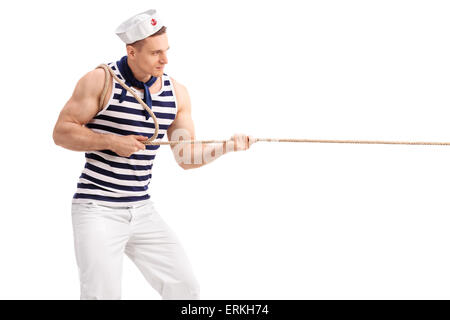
182, 128
69, 131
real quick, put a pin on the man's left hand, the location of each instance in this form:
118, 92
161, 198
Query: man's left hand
241, 141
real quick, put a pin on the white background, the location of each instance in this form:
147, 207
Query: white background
281, 220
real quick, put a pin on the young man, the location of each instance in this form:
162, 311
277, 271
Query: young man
112, 213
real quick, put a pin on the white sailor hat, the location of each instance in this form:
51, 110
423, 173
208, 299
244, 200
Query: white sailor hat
139, 26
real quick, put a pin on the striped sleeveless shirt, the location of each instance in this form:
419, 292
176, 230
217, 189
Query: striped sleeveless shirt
116, 181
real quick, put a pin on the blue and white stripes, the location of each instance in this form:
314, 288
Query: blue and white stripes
109, 179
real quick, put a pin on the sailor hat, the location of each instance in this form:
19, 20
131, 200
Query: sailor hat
139, 26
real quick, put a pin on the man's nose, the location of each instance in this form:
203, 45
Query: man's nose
164, 58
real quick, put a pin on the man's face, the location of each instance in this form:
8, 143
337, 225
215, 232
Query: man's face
151, 55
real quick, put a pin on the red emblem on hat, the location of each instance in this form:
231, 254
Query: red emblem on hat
153, 22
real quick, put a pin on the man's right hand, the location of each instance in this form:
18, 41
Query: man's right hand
125, 146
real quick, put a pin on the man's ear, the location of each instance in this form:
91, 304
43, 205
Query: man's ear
131, 51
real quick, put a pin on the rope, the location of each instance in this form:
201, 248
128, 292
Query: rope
152, 140
108, 69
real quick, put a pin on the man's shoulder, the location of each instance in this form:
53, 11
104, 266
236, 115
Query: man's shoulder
181, 94
92, 82
177, 85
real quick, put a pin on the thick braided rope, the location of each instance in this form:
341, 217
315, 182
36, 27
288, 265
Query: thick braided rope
311, 140
151, 141
105, 87
109, 70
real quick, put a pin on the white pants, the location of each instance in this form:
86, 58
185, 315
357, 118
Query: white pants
103, 234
